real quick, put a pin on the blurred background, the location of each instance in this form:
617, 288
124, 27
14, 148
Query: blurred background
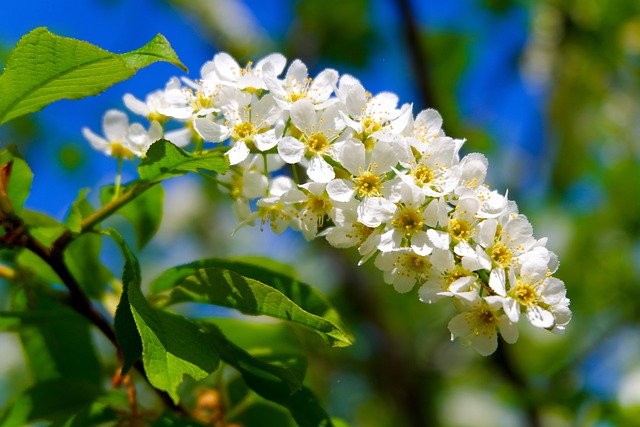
549, 90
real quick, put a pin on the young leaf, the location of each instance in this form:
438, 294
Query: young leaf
171, 346
44, 68
165, 160
144, 212
80, 209
252, 290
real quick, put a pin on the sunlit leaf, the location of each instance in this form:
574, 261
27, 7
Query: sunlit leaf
251, 290
44, 68
172, 346
165, 160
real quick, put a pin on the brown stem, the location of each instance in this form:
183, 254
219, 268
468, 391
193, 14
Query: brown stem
17, 234
416, 52
100, 215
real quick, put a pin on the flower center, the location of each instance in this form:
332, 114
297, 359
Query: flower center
501, 254
409, 221
524, 293
317, 143
120, 151
416, 263
423, 175
243, 131
459, 228
202, 101
368, 185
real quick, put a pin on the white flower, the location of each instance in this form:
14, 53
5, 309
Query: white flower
318, 131
368, 172
224, 70
426, 127
297, 85
534, 291
480, 323
436, 171
316, 208
248, 122
121, 139
404, 219
378, 118
149, 108
278, 209
403, 268
447, 279
348, 231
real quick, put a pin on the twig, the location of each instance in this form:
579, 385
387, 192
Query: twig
17, 234
416, 54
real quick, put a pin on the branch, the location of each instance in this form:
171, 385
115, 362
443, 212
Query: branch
416, 52
100, 215
17, 234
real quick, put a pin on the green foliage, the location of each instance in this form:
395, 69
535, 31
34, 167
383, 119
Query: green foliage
252, 290
171, 345
16, 178
58, 400
44, 68
165, 160
56, 340
144, 212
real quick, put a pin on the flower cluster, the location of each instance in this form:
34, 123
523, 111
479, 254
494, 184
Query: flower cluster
380, 179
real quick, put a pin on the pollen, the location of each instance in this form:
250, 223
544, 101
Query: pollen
525, 293
501, 254
417, 264
368, 184
120, 151
423, 175
242, 131
459, 228
408, 221
317, 143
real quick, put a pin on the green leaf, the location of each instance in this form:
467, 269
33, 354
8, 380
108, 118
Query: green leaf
169, 419
49, 400
80, 209
82, 256
252, 290
273, 343
272, 382
165, 160
125, 326
56, 340
172, 346
44, 68
144, 212
20, 177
